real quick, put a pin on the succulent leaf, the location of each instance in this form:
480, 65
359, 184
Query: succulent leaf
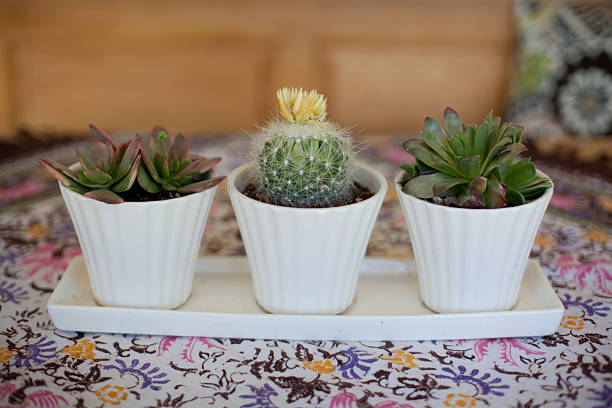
431, 185
146, 182
519, 173
63, 175
128, 179
495, 193
421, 151
452, 122
201, 185
96, 177
101, 136
470, 167
105, 196
179, 147
130, 155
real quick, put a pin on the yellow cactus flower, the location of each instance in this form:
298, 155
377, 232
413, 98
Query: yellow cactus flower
319, 366
300, 106
402, 358
5, 355
83, 350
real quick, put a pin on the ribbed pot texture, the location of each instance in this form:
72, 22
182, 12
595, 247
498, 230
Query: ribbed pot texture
470, 260
140, 254
305, 260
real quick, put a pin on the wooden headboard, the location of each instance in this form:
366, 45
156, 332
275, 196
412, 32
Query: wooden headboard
214, 65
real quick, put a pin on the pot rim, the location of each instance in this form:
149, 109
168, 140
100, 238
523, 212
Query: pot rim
382, 190
458, 210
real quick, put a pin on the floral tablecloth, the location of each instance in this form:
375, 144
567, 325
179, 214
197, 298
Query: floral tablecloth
41, 366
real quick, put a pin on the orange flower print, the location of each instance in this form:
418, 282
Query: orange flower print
5, 355
113, 394
605, 202
402, 358
319, 366
573, 322
543, 241
459, 401
83, 350
38, 230
597, 236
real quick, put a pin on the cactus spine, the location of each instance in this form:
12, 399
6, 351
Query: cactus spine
304, 160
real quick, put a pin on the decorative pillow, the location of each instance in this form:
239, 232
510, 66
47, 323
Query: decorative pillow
562, 83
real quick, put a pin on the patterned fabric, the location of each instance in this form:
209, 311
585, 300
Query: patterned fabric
563, 79
41, 366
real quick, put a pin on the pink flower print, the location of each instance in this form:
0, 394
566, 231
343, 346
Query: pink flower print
596, 274
392, 404
187, 353
343, 400
164, 344
397, 155
483, 348
38, 398
43, 260
563, 202
348, 400
21, 191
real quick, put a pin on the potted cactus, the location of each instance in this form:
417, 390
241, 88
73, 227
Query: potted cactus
139, 210
306, 208
473, 209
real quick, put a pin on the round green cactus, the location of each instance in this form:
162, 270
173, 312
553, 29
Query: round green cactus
304, 161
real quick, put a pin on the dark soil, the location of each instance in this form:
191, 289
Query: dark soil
360, 193
138, 194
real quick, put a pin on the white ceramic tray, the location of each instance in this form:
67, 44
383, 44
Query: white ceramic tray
387, 307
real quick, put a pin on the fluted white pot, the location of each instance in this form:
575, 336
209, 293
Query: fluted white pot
140, 254
305, 260
470, 260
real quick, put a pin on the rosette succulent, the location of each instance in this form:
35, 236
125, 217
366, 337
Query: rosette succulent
107, 172
304, 160
471, 166
167, 166
105, 169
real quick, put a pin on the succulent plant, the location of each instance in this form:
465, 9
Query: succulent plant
471, 166
304, 160
167, 166
105, 169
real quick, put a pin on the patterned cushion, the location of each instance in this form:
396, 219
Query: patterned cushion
562, 82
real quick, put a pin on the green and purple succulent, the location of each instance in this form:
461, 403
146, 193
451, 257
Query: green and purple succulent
167, 166
106, 172
471, 166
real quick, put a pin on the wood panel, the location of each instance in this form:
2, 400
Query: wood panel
214, 65
136, 84
395, 87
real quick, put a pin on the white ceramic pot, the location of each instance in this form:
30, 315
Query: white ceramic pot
140, 254
305, 260
470, 260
